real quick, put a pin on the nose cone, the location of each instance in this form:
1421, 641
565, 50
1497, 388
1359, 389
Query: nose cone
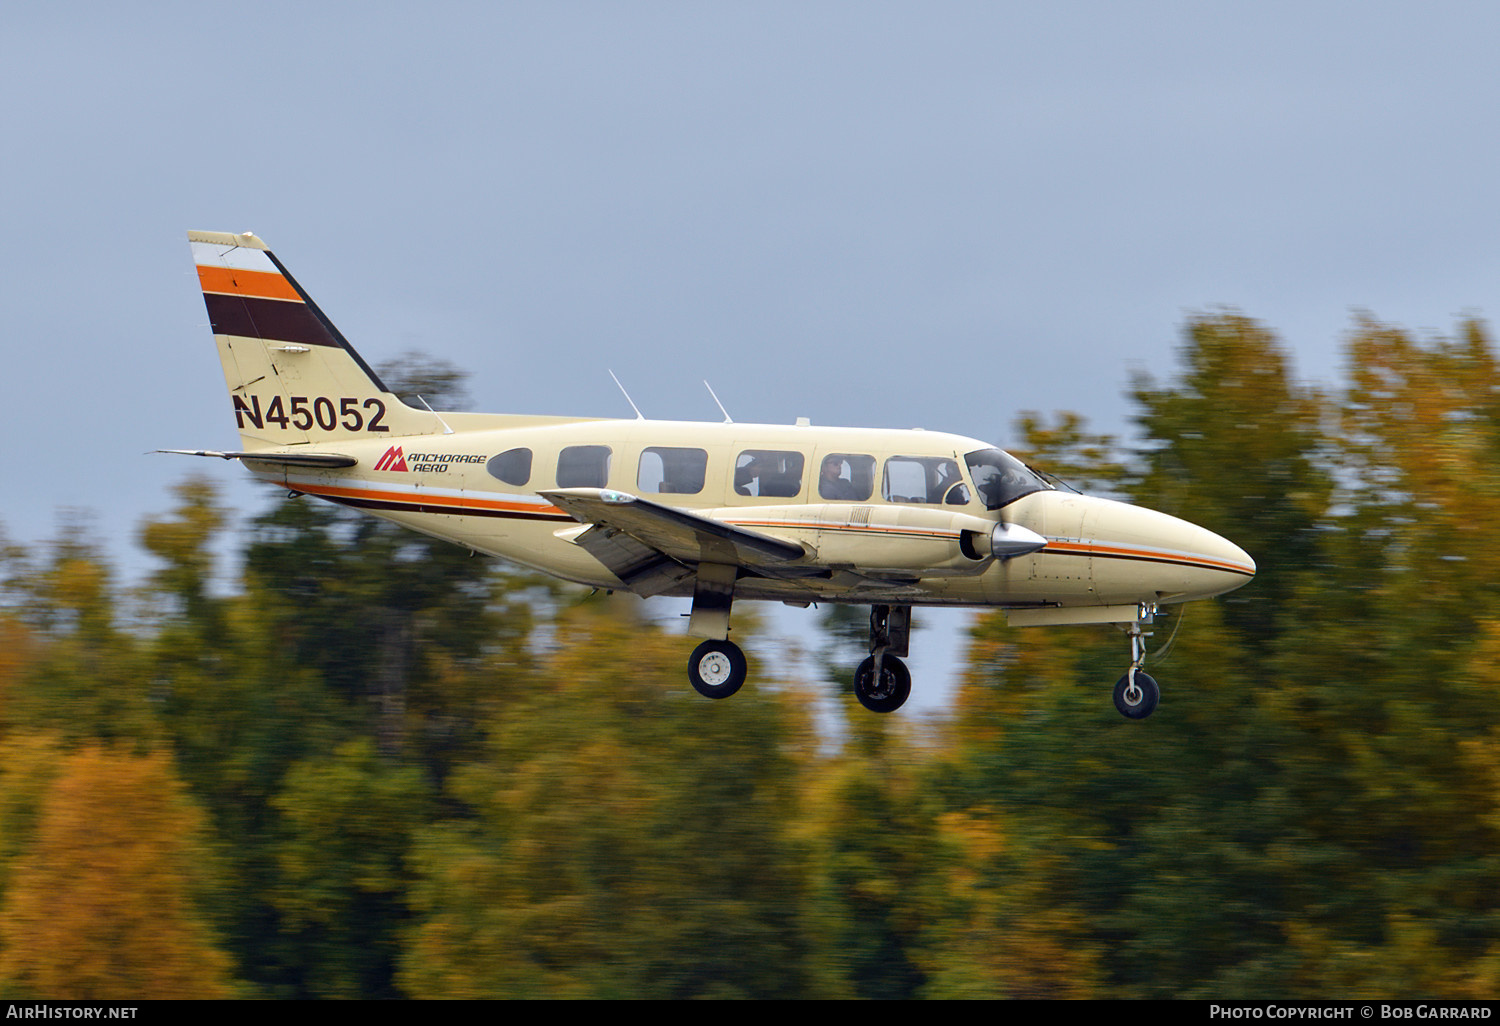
1137, 551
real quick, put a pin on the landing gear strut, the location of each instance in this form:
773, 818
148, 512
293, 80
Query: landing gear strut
883, 683
716, 668
1136, 693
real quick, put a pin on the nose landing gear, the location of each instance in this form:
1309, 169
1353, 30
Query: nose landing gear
1136, 693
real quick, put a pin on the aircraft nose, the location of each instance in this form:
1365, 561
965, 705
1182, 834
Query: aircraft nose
1138, 549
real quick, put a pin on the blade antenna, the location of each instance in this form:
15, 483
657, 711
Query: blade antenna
727, 419
446, 429
627, 397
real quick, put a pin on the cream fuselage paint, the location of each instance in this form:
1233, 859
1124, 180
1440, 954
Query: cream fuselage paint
1099, 553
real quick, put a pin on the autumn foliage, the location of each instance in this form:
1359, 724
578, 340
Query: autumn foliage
364, 764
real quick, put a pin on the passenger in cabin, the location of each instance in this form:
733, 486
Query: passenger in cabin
768, 473
746, 474
832, 484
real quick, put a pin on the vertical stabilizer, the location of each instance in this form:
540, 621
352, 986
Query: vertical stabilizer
292, 377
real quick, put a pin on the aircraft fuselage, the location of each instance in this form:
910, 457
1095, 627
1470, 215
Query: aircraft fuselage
879, 548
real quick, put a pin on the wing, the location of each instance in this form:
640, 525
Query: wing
651, 547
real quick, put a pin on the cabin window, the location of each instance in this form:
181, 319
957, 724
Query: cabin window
926, 479
671, 470
583, 466
512, 466
845, 476
767, 473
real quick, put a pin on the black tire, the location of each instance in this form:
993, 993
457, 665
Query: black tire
717, 669
1139, 702
894, 687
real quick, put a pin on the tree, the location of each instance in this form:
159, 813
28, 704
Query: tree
1234, 444
109, 900
625, 837
346, 827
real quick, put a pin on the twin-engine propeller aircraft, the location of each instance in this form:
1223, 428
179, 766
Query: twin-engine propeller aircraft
712, 511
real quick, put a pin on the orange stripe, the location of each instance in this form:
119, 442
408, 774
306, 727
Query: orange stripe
1072, 548
914, 532
1053, 546
429, 500
235, 281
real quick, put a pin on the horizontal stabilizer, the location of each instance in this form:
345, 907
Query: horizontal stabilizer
286, 459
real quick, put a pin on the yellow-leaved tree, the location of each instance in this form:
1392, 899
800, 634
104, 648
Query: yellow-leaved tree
108, 900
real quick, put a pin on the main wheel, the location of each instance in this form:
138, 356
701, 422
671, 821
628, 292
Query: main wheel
1136, 695
717, 669
890, 692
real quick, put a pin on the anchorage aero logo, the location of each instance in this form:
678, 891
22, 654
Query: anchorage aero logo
429, 462
392, 460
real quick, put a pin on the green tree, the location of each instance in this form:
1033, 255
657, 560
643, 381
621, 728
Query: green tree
626, 838
1236, 445
346, 826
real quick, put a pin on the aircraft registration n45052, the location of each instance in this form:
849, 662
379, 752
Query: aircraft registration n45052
715, 512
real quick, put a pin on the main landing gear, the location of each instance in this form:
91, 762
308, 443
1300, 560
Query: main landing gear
716, 668
1136, 693
883, 683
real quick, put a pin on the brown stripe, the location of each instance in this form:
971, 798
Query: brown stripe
1055, 548
422, 507
266, 284
269, 319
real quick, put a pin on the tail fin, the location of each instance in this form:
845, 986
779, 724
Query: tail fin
292, 377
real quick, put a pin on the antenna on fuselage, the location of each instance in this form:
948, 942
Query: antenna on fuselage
627, 397
727, 418
446, 429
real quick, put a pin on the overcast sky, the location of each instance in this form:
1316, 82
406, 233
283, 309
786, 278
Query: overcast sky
881, 214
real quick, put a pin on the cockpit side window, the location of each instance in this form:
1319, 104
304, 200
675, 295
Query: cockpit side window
668, 469
1001, 479
768, 472
846, 477
925, 479
583, 466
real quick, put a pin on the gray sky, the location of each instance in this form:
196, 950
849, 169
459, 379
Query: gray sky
882, 214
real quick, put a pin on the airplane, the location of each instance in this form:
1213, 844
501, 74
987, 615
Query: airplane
717, 512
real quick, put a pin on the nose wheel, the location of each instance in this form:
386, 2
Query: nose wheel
1137, 693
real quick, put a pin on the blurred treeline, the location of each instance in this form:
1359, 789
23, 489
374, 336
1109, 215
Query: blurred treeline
375, 766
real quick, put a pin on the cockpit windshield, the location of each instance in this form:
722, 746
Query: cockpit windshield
1001, 479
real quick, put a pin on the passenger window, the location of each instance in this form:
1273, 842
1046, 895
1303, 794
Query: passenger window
512, 466
846, 477
671, 470
583, 466
768, 472
926, 479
